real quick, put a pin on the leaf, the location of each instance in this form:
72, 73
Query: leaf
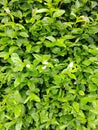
17, 110
19, 124
90, 98
93, 30
11, 33
28, 48
93, 4
17, 97
81, 93
77, 31
76, 106
24, 34
72, 75
60, 42
27, 99
94, 80
4, 20
67, 1
15, 59
77, 4
12, 49
17, 81
69, 37
18, 14
92, 87
34, 97
38, 57
87, 62
4, 55
7, 125
41, 10
49, 44
17, 62
51, 38
58, 13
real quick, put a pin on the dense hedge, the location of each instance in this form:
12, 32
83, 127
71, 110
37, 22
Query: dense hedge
48, 65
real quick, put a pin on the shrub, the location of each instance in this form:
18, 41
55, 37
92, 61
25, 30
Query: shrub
48, 65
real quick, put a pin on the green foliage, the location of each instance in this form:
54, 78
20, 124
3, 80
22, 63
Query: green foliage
48, 65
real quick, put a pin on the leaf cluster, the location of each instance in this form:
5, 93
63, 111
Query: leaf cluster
48, 65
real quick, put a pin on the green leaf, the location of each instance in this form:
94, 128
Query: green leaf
76, 106
28, 48
19, 124
17, 81
12, 49
4, 55
72, 75
18, 14
49, 44
38, 57
51, 38
17, 110
4, 20
24, 34
93, 30
7, 125
60, 42
94, 80
77, 31
90, 98
87, 62
41, 10
77, 4
81, 93
92, 87
11, 33
15, 59
17, 96
67, 1
34, 97
17, 62
58, 13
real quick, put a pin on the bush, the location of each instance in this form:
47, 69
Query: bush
48, 65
